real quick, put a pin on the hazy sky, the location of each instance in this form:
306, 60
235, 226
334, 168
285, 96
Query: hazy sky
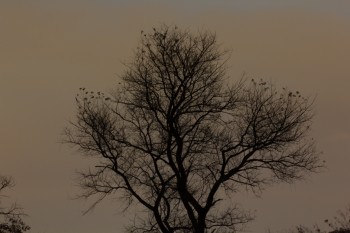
48, 49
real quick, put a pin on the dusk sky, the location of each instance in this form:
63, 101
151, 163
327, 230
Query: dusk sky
49, 49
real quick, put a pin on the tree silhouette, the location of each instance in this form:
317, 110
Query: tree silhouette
10, 217
178, 138
340, 223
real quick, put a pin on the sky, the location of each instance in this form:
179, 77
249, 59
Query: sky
49, 49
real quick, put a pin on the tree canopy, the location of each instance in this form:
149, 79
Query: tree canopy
180, 137
10, 217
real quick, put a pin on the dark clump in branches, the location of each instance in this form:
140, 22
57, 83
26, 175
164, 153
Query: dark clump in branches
10, 217
177, 137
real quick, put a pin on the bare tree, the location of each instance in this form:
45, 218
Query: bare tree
339, 224
10, 217
179, 139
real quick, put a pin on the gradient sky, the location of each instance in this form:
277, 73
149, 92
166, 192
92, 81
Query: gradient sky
48, 49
